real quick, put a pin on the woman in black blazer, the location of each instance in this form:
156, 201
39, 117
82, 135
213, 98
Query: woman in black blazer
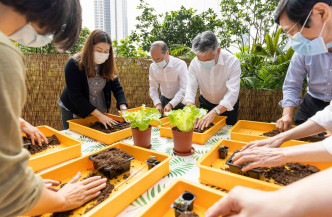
91, 76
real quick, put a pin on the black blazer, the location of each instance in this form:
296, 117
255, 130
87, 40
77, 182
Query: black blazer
75, 95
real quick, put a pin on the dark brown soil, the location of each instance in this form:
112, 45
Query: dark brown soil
271, 133
295, 172
33, 149
105, 193
111, 157
196, 130
180, 206
114, 128
188, 214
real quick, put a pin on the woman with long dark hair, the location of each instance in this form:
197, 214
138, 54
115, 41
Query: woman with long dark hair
91, 77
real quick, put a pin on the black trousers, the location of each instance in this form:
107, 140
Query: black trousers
165, 101
308, 108
232, 116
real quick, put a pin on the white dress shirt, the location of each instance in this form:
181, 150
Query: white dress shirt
172, 81
324, 118
218, 85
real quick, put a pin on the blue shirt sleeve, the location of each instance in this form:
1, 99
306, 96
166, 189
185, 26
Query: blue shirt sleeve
293, 82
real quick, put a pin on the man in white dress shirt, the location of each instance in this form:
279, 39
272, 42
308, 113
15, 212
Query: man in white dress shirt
217, 73
170, 74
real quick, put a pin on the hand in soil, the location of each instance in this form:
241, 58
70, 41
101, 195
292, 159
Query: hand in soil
206, 120
106, 121
33, 149
34, 134
49, 183
205, 129
259, 157
75, 193
119, 126
284, 123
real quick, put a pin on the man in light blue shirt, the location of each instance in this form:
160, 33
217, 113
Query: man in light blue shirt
318, 70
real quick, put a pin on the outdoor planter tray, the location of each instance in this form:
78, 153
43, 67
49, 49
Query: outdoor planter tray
211, 173
155, 123
69, 148
198, 138
125, 190
81, 126
205, 198
247, 131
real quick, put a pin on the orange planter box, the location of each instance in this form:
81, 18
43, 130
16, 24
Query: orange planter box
211, 173
155, 123
81, 126
247, 131
198, 138
69, 148
126, 190
206, 197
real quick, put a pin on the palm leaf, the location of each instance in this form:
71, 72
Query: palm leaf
179, 167
150, 194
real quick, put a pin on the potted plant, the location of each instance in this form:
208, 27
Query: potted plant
152, 161
184, 203
223, 151
182, 122
140, 125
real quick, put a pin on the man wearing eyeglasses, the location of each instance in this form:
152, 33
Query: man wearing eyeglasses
310, 62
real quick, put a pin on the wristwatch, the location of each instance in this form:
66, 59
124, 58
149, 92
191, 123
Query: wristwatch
217, 110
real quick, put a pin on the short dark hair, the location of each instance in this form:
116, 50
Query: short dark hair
63, 18
297, 10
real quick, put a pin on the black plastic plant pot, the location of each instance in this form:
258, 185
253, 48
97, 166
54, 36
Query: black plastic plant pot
152, 162
255, 173
223, 152
114, 170
188, 203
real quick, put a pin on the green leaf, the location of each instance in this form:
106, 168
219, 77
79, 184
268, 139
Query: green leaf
141, 119
184, 119
179, 167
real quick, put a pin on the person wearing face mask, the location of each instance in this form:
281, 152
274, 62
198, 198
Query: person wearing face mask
217, 73
171, 74
314, 60
312, 201
313, 17
90, 79
33, 23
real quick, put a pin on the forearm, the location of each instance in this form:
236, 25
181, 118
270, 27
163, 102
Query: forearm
310, 196
221, 108
306, 129
288, 110
97, 113
44, 205
313, 152
22, 123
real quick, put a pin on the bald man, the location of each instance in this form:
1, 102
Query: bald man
170, 74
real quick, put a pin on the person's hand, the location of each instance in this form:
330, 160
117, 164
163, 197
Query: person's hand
168, 107
241, 201
284, 123
106, 121
160, 108
273, 142
260, 157
33, 133
49, 183
206, 120
123, 111
76, 193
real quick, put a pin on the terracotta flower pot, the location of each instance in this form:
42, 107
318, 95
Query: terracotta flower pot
182, 142
142, 138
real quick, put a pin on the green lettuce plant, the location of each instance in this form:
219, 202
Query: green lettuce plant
141, 119
184, 119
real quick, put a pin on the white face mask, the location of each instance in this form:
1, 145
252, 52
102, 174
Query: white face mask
161, 64
28, 36
100, 58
